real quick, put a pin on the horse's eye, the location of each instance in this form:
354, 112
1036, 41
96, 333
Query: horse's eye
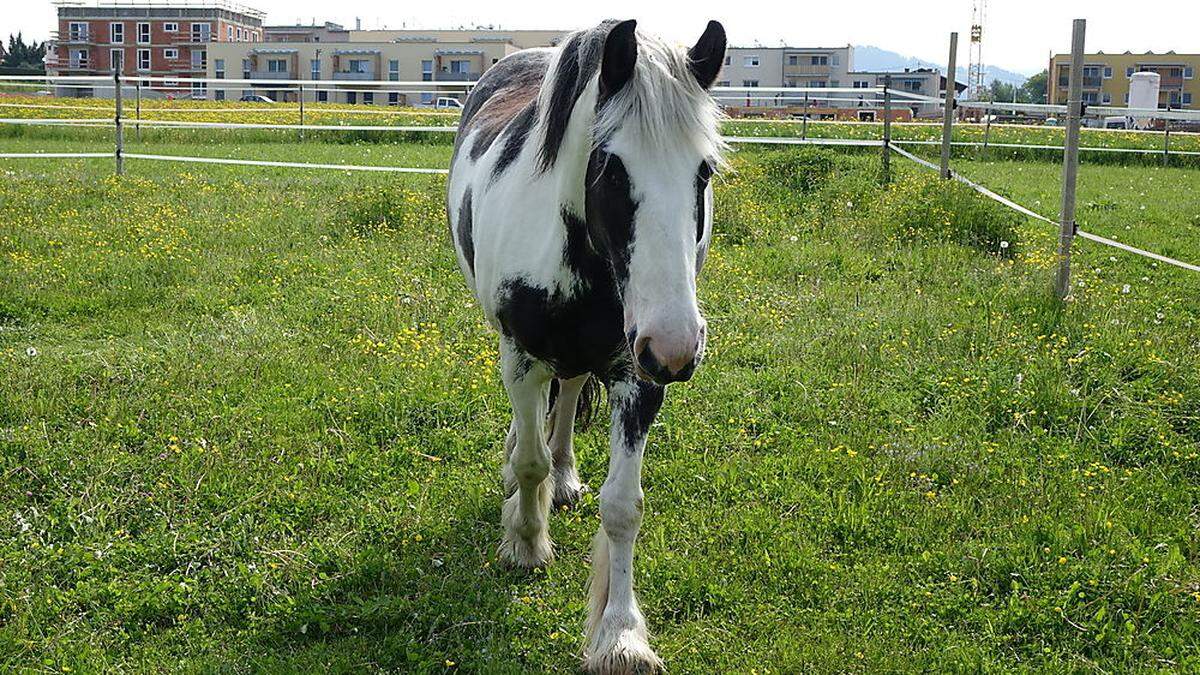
614, 173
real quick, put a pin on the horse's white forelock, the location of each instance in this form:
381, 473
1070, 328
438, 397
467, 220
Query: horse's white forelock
666, 102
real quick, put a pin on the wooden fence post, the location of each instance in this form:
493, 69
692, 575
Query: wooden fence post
118, 64
1167, 139
948, 113
1062, 282
987, 126
804, 121
887, 129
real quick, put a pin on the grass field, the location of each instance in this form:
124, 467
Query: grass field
251, 420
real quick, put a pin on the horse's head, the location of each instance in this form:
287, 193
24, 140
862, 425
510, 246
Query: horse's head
649, 204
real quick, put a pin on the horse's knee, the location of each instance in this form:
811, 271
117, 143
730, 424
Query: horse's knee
620, 513
530, 464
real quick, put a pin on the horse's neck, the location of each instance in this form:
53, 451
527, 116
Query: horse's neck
570, 168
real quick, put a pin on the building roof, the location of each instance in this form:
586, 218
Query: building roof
142, 5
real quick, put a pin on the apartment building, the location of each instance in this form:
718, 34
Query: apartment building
783, 67
408, 56
1106, 78
152, 40
920, 81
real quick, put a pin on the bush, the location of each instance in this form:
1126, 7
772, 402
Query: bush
926, 207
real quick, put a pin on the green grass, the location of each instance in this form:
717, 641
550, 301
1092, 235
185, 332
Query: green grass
251, 419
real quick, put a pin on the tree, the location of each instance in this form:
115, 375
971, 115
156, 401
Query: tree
1001, 91
24, 56
1034, 89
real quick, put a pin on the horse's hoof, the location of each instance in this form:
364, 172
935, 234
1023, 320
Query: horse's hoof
625, 652
526, 555
567, 491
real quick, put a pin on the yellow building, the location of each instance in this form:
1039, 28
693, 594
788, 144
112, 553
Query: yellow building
1106, 78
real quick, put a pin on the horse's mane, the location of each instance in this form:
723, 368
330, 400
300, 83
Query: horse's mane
663, 97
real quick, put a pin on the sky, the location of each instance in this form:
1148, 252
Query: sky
1018, 34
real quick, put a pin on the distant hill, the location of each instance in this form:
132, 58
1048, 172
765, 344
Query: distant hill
874, 58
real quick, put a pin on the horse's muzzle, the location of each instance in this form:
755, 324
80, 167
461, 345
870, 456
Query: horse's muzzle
665, 361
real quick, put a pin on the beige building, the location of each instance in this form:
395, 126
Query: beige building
1106, 78
819, 67
353, 59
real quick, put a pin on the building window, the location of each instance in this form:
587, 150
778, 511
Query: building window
171, 27
749, 83
199, 90
352, 97
219, 94
460, 67
229, 33
394, 70
820, 60
1188, 73
276, 65
79, 58
834, 83
368, 98
1129, 72
116, 33
143, 33
245, 69
170, 53
1187, 98
315, 68
171, 84
1108, 72
723, 83
837, 59
750, 61
393, 98
201, 32
793, 60
78, 30
359, 66
322, 96
219, 67
728, 59
426, 70
115, 57
199, 59
143, 59
1107, 98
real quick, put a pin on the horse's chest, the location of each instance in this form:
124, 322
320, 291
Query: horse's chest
574, 335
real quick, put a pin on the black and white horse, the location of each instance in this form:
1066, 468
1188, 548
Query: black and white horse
581, 211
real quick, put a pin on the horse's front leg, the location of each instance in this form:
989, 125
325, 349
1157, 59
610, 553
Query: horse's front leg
526, 540
617, 638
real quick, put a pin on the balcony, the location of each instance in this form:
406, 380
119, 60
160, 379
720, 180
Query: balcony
269, 75
353, 76
458, 77
806, 69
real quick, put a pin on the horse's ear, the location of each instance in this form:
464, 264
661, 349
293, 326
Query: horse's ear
706, 57
620, 56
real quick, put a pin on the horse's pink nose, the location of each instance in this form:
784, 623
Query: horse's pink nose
669, 356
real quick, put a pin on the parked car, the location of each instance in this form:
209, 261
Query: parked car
255, 98
1051, 122
444, 103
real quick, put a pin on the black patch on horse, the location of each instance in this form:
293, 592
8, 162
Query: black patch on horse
515, 136
579, 61
466, 239
637, 413
610, 210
